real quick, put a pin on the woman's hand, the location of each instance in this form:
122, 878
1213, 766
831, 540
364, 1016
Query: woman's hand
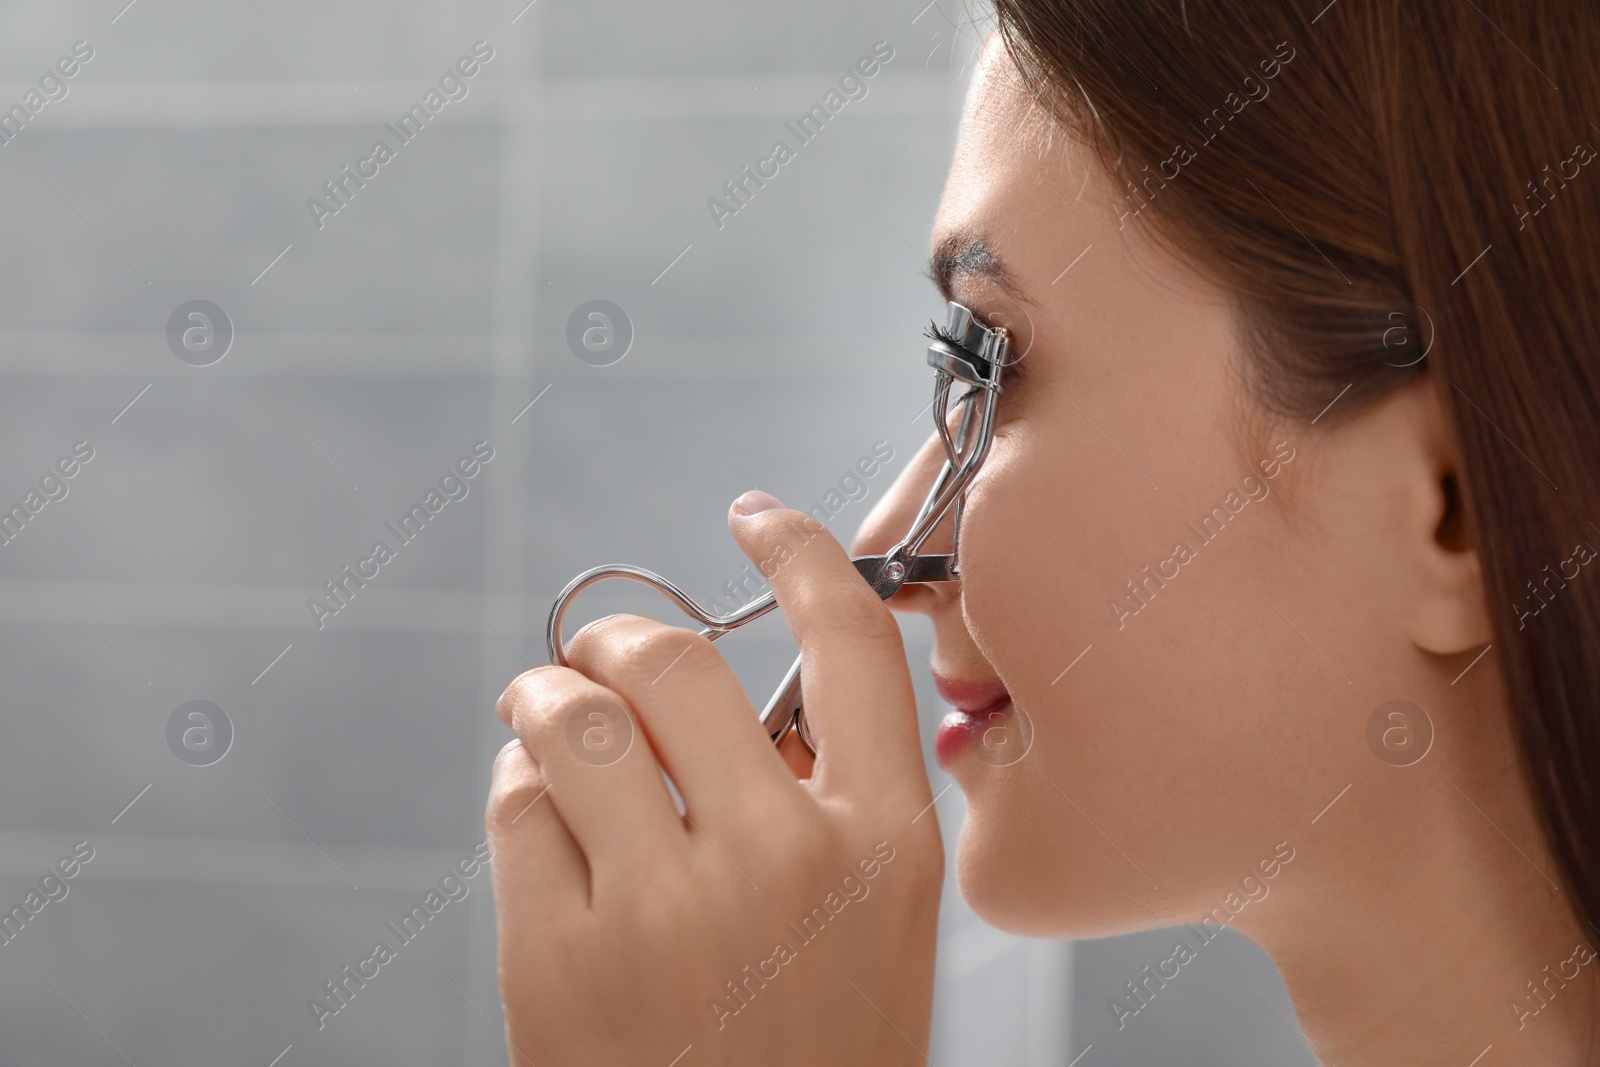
779, 921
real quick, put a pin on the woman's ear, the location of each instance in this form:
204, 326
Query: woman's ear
1449, 613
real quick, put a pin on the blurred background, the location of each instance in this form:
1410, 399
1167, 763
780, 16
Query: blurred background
344, 359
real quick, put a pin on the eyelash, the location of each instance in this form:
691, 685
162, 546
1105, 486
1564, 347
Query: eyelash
936, 332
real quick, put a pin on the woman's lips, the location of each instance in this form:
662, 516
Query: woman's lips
978, 705
970, 696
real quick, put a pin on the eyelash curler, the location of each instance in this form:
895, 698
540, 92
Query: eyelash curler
963, 350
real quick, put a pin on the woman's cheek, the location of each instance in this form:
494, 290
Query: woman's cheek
1018, 560
995, 534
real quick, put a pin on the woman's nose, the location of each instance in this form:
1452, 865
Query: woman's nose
890, 520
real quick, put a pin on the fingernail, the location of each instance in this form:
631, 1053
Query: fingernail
755, 500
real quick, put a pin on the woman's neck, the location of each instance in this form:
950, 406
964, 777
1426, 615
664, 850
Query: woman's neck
1427, 927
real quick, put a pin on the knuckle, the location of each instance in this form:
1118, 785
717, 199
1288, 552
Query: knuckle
791, 528
604, 638
542, 708
791, 536
653, 654
631, 652
515, 786
504, 762
501, 818
851, 608
537, 721
593, 637
526, 688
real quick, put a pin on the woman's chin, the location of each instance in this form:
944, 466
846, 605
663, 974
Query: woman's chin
1015, 885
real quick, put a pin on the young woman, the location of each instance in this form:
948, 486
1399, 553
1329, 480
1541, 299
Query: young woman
1285, 551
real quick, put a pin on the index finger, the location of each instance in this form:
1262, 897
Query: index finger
858, 697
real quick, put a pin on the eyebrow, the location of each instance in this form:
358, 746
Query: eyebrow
967, 256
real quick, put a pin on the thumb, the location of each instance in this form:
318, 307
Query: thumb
859, 703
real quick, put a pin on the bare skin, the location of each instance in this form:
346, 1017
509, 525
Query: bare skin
1212, 725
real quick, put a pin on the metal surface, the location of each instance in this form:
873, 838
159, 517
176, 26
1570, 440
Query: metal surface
967, 351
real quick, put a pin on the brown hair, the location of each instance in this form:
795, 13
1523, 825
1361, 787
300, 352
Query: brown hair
1371, 180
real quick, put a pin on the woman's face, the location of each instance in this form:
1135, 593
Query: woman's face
1196, 638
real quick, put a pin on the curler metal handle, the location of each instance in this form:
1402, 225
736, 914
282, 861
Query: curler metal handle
886, 574
782, 713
